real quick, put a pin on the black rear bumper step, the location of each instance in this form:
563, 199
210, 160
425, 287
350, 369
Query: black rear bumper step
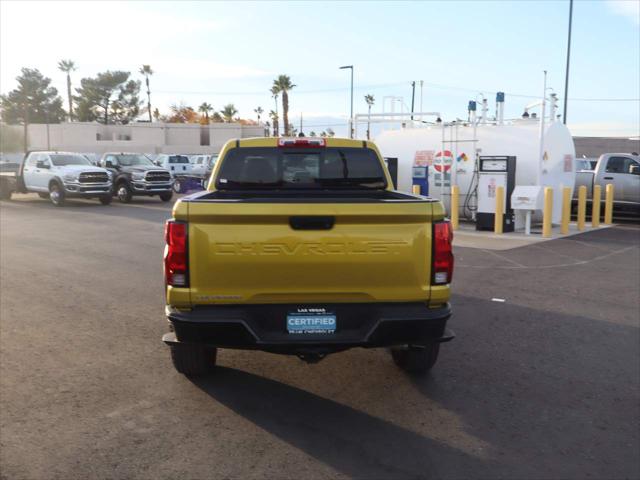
263, 327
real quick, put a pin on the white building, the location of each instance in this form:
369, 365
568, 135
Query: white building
137, 137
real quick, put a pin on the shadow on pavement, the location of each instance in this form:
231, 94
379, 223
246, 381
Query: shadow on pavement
352, 442
556, 395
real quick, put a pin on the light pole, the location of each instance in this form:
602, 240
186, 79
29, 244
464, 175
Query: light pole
351, 112
566, 75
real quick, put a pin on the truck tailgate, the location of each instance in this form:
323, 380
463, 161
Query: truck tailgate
297, 253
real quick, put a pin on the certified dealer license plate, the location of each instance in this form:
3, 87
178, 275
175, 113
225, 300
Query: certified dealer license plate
311, 321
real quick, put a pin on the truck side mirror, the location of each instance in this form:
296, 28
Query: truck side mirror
109, 164
42, 164
634, 169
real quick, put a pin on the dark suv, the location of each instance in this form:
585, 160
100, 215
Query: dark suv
134, 174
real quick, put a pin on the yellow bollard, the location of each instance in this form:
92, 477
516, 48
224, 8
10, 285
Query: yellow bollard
595, 206
582, 206
566, 210
608, 204
547, 212
497, 225
455, 191
416, 189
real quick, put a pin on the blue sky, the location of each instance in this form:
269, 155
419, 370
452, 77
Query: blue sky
229, 53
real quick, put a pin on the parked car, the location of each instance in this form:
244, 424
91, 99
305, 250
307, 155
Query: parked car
175, 164
181, 170
58, 176
620, 169
308, 265
135, 175
203, 166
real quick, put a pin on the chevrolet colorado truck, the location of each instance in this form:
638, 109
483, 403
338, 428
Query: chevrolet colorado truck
301, 246
61, 175
135, 175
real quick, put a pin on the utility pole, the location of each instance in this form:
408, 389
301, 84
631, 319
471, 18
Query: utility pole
300, 122
351, 111
413, 97
566, 77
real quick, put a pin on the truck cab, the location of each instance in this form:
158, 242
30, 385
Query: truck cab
303, 247
135, 175
62, 175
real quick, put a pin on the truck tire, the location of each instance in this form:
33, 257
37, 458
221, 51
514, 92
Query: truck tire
123, 191
416, 359
56, 194
105, 199
166, 196
43, 195
177, 186
193, 360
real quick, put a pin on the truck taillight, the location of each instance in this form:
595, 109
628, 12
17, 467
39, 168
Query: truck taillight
442, 253
175, 254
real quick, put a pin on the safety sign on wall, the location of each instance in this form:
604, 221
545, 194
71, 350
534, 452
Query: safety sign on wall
442, 165
568, 163
423, 158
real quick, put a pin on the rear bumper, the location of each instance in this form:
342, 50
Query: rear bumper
263, 327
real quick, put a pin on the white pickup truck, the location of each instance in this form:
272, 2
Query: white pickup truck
620, 169
62, 175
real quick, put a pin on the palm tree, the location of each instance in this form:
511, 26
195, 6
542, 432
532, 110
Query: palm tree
330, 132
259, 112
205, 109
282, 85
228, 112
274, 119
68, 66
312, 133
274, 93
146, 71
370, 101
156, 114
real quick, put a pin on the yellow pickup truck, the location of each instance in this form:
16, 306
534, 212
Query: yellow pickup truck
302, 246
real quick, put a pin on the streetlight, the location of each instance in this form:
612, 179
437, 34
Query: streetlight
566, 75
351, 114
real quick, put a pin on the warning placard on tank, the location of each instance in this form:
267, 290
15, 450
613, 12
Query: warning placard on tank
423, 158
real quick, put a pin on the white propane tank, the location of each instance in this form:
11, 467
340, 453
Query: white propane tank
521, 138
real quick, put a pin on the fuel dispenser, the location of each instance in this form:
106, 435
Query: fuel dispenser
493, 172
421, 178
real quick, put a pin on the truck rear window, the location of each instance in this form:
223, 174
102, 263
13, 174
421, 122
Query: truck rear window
321, 168
178, 159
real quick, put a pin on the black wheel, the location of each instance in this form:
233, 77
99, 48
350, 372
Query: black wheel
43, 195
177, 186
165, 197
106, 199
193, 360
56, 194
417, 359
123, 191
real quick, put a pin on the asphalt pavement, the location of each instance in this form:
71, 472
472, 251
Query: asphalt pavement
541, 382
